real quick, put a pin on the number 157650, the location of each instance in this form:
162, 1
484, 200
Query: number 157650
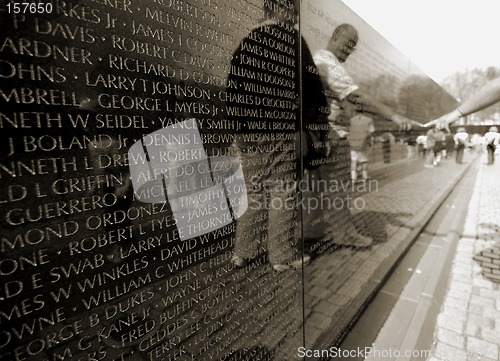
26, 7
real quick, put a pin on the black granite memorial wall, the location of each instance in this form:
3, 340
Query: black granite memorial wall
151, 164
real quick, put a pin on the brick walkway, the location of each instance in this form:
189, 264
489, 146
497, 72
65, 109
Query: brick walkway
468, 326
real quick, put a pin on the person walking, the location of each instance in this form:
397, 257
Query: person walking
386, 139
411, 145
492, 139
421, 145
429, 145
449, 143
461, 139
439, 147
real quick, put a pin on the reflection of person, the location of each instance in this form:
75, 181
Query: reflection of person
449, 143
461, 141
360, 131
488, 95
421, 145
411, 144
476, 141
268, 160
429, 145
340, 85
439, 146
341, 91
116, 180
492, 139
386, 146
119, 184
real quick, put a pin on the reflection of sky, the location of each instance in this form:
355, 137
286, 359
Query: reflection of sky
377, 66
442, 36
373, 57
320, 17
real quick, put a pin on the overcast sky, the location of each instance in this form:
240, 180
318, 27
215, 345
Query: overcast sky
440, 36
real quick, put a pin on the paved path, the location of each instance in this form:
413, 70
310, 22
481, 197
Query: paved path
468, 325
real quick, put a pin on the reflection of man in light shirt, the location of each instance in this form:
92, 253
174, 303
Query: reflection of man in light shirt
338, 83
340, 87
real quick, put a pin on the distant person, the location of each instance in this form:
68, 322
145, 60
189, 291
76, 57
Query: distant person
421, 140
492, 139
477, 142
411, 144
430, 144
386, 139
461, 141
449, 144
439, 146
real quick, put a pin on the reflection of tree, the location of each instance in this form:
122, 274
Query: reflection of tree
466, 83
384, 89
423, 99
418, 98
